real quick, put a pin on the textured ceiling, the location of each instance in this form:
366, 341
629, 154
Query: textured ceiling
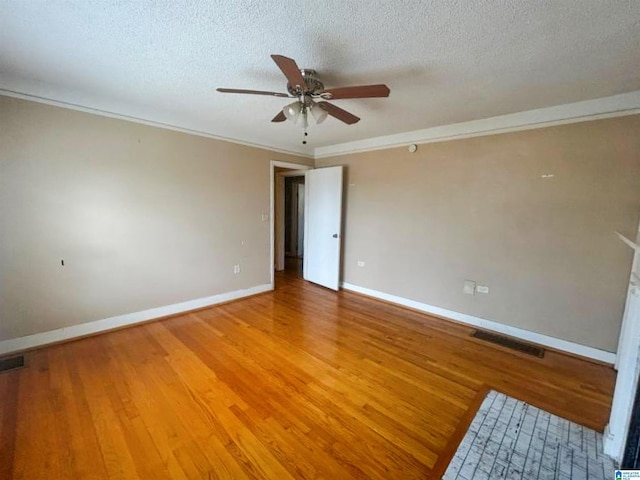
446, 61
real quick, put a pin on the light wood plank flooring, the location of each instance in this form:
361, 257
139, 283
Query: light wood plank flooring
299, 383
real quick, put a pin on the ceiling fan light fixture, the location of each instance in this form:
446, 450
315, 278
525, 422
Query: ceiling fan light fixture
319, 115
292, 111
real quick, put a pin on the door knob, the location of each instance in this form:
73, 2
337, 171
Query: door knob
335, 235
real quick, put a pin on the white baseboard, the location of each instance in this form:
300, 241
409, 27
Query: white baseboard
545, 340
90, 328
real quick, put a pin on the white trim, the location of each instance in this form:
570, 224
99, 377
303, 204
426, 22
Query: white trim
599, 108
611, 444
627, 378
272, 180
90, 328
615, 438
552, 342
606, 107
151, 123
633, 245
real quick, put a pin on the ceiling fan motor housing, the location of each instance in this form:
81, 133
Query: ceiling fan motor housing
312, 83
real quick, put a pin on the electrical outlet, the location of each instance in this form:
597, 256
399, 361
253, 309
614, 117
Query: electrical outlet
265, 217
469, 287
482, 289
360, 263
236, 269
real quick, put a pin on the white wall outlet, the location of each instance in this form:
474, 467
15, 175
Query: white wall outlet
360, 263
236, 269
265, 217
482, 289
469, 287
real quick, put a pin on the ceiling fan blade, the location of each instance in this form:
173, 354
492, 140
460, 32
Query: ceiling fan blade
279, 117
362, 91
338, 113
291, 71
252, 92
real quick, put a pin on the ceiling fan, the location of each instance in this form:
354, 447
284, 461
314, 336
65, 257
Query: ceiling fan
305, 86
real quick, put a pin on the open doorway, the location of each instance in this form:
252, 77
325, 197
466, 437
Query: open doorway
294, 224
287, 218
321, 237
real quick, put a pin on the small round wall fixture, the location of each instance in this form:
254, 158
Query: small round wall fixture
412, 148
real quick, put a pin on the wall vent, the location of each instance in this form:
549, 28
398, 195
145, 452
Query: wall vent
11, 363
509, 342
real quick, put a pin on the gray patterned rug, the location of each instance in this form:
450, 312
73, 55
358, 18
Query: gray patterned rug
510, 439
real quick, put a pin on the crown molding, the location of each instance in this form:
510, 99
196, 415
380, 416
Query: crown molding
151, 123
587, 110
596, 109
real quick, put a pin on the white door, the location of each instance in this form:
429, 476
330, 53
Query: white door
323, 226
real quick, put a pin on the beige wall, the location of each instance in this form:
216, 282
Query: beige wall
478, 209
143, 217
146, 217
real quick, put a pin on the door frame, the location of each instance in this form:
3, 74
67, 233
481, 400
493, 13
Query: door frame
272, 207
627, 363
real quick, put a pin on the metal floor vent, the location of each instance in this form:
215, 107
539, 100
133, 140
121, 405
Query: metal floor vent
509, 343
12, 363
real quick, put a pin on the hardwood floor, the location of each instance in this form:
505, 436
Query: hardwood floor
298, 383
